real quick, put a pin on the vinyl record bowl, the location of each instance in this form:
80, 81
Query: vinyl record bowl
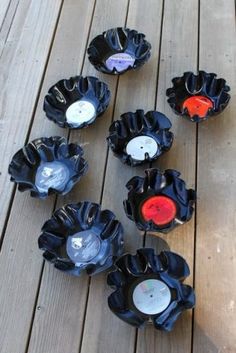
118, 50
48, 165
75, 103
140, 137
160, 201
82, 238
198, 97
149, 289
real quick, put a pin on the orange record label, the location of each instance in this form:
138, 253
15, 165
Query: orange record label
198, 105
159, 209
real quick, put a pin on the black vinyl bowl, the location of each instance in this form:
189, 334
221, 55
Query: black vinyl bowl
118, 50
160, 201
80, 237
149, 288
198, 97
139, 138
48, 165
75, 103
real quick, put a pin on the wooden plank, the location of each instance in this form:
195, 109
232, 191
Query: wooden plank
58, 325
11, 33
20, 259
19, 88
178, 54
3, 10
215, 323
104, 332
21, 8
7, 23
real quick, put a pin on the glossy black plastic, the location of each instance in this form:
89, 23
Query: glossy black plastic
155, 183
68, 91
166, 267
203, 84
25, 163
152, 124
115, 41
77, 219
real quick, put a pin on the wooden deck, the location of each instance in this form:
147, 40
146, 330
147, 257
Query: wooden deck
45, 311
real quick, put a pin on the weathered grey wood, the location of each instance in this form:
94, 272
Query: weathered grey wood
59, 313
3, 10
20, 259
103, 331
58, 326
215, 323
6, 25
19, 88
10, 34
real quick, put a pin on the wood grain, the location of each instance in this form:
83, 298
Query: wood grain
6, 25
10, 34
215, 323
44, 310
3, 10
20, 259
104, 332
19, 88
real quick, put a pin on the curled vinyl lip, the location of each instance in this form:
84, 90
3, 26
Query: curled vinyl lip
75, 103
48, 165
198, 97
149, 287
118, 50
159, 201
82, 238
140, 137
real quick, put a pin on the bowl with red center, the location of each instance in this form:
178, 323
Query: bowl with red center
159, 201
198, 97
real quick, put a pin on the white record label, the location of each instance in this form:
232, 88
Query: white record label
80, 112
120, 62
82, 247
140, 145
51, 175
151, 296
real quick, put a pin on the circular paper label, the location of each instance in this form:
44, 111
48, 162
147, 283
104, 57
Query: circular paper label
151, 296
80, 112
51, 175
83, 246
198, 105
120, 62
159, 209
140, 145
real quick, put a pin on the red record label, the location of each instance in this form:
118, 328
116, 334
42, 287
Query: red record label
198, 105
159, 209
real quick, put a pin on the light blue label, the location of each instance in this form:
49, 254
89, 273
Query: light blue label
51, 175
120, 62
83, 246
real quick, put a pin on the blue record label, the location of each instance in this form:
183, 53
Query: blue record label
82, 247
51, 175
